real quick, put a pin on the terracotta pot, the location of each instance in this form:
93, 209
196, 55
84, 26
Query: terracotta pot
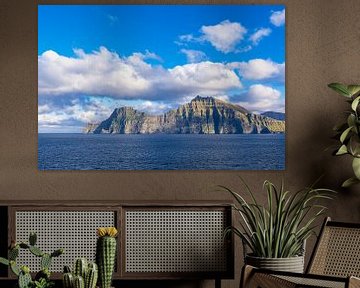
291, 264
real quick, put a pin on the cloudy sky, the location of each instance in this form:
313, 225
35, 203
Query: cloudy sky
92, 59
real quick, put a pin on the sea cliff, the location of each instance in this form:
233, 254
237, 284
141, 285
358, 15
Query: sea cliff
202, 115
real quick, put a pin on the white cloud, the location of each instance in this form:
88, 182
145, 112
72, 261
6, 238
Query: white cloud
154, 108
43, 108
93, 110
224, 98
261, 98
105, 73
259, 35
205, 78
187, 38
194, 56
52, 118
224, 36
277, 18
260, 69
98, 73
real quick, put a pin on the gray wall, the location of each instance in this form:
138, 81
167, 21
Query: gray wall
323, 40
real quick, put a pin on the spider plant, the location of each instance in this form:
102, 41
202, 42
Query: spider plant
279, 229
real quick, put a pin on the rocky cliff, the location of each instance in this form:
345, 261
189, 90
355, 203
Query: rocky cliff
274, 115
203, 115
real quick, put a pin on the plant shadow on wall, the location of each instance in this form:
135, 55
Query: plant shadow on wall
276, 232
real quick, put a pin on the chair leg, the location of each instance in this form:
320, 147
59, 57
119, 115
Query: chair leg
250, 278
246, 274
217, 283
354, 282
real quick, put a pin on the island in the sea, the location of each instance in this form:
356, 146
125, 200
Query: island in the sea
202, 115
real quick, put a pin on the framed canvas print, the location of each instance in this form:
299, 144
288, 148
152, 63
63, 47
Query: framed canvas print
161, 87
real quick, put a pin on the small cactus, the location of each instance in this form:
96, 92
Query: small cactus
91, 276
89, 272
106, 254
67, 269
79, 282
68, 280
80, 268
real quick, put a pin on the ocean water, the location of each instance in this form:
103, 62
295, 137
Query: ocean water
161, 152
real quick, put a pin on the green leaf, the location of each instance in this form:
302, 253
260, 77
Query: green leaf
345, 134
4, 261
355, 103
351, 120
340, 88
356, 167
353, 89
342, 150
14, 268
349, 182
354, 145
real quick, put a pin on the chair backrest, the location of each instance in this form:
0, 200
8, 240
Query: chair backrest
337, 251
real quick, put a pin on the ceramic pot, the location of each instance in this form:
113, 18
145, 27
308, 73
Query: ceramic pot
291, 264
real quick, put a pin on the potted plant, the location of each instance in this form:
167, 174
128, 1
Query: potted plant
276, 233
348, 132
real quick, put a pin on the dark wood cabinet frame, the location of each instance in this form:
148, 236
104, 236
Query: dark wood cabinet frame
8, 210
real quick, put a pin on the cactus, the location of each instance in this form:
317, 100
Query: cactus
68, 280
13, 253
43, 274
57, 253
80, 268
24, 280
36, 251
106, 254
67, 269
45, 261
32, 239
79, 282
91, 276
90, 272
42, 278
24, 246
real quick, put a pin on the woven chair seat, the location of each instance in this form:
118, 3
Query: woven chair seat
335, 262
313, 282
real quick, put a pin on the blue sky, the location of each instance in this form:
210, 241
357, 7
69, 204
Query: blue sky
94, 58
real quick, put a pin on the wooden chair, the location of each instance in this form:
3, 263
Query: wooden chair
335, 262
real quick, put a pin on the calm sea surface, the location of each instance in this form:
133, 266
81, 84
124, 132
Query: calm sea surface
161, 152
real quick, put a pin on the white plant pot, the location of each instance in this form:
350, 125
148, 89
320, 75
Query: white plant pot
291, 264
